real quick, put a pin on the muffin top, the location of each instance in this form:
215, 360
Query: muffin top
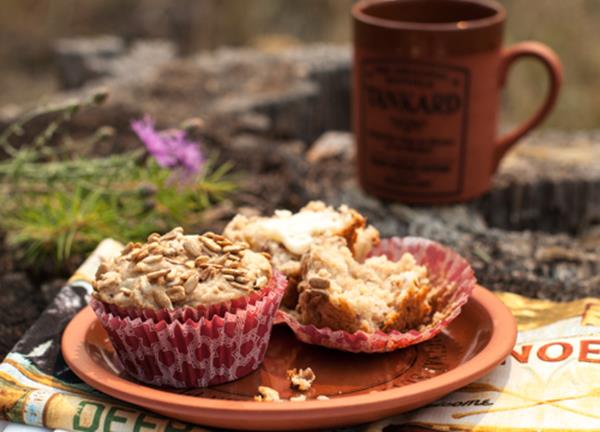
177, 270
295, 232
286, 236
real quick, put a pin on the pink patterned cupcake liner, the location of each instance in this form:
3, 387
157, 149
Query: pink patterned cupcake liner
448, 272
195, 353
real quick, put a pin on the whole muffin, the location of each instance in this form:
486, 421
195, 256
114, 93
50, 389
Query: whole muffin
188, 310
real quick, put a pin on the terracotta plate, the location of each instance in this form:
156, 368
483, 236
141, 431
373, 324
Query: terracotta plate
361, 387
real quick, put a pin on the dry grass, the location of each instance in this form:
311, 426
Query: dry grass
27, 28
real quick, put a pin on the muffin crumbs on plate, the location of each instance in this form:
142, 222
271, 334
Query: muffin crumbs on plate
267, 394
301, 379
298, 398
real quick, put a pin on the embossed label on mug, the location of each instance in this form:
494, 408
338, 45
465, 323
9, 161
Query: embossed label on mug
414, 123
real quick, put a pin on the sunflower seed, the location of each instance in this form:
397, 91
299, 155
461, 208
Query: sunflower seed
190, 284
219, 261
158, 273
234, 272
224, 243
172, 275
130, 246
211, 245
232, 264
215, 237
170, 252
152, 259
234, 257
192, 247
140, 254
229, 278
155, 248
174, 282
239, 286
162, 299
173, 260
153, 238
205, 274
202, 259
126, 292
173, 233
242, 279
233, 248
176, 293
141, 268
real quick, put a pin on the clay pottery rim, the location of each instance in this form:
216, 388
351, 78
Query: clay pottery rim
359, 13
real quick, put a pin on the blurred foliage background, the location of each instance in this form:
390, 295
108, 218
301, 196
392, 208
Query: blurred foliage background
28, 28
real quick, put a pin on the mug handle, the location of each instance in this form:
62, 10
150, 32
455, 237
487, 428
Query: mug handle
553, 66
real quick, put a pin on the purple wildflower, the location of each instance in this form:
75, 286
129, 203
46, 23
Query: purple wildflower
170, 148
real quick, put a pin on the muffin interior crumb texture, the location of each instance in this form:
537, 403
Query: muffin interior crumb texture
301, 379
338, 292
175, 270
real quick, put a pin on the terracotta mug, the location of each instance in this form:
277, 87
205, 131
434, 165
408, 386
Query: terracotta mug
427, 81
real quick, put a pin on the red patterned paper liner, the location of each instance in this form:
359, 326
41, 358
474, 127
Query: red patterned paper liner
186, 313
446, 270
200, 353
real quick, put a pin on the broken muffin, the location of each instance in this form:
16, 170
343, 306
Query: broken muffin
338, 292
286, 236
407, 292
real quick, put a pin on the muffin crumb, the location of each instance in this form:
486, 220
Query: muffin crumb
301, 379
298, 398
267, 394
322, 397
